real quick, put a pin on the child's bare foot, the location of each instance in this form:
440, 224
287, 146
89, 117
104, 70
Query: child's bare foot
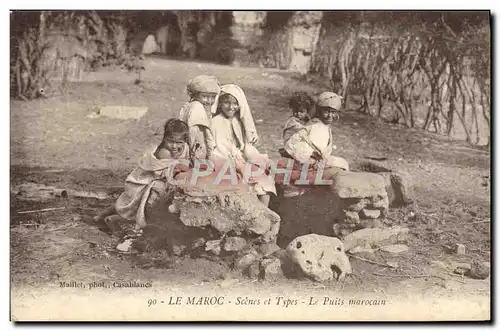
113, 223
109, 211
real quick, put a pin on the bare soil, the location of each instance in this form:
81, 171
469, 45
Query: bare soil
57, 141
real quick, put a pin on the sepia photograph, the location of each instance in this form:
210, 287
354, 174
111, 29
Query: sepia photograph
243, 166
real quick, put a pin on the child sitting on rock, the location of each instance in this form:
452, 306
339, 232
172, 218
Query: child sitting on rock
301, 105
197, 113
236, 136
314, 142
152, 174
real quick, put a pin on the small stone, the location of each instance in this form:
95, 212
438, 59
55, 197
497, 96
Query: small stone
462, 268
466, 266
358, 206
123, 112
125, 246
290, 191
253, 270
197, 243
479, 270
336, 229
352, 217
271, 269
173, 209
460, 249
178, 249
214, 246
375, 236
234, 244
246, 260
370, 213
345, 231
394, 249
381, 204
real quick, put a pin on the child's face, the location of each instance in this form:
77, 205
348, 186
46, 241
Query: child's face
300, 113
175, 145
327, 114
228, 105
206, 99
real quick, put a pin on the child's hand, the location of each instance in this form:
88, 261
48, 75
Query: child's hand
180, 168
315, 155
312, 162
254, 140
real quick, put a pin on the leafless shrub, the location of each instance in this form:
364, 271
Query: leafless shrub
416, 71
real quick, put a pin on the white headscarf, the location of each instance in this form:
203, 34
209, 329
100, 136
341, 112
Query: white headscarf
245, 112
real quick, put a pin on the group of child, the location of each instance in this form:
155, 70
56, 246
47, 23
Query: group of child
216, 124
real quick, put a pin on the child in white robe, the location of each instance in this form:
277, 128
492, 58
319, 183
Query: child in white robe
314, 142
235, 136
152, 173
197, 113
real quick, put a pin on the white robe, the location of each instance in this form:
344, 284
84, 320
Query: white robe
232, 147
233, 136
315, 137
199, 123
149, 172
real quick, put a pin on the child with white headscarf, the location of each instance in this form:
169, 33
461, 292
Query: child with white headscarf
235, 136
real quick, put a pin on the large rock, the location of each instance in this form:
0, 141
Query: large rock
479, 270
399, 187
232, 210
225, 219
320, 257
333, 210
376, 237
358, 185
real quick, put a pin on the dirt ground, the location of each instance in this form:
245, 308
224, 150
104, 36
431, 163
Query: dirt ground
58, 141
